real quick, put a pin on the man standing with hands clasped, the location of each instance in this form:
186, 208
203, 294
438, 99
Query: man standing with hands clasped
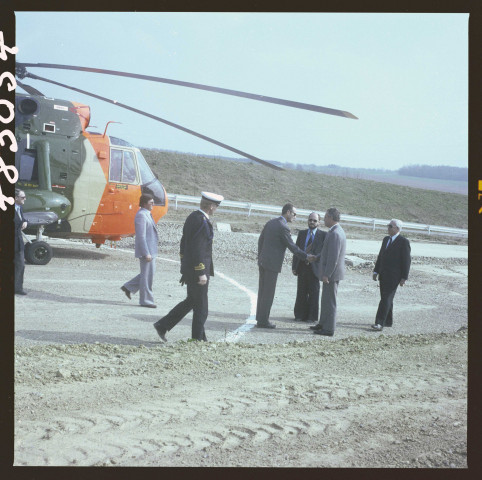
196, 251
392, 266
146, 251
275, 238
308, 284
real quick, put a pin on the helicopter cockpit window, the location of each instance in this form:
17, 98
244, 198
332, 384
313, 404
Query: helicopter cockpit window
146, 173
129, 168
122, 166
119, 142
150, 183
115, 165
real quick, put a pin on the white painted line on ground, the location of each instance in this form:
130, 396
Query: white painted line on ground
250, 321
235, 335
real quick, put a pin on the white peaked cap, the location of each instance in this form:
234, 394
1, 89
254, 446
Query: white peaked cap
212, 197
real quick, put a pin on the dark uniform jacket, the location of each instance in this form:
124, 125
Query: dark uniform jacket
393, 263
316, 247
196, 247
19, 244
272, 244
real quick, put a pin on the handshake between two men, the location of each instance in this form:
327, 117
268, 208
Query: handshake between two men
311, 258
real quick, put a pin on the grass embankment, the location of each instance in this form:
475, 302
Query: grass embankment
190, 174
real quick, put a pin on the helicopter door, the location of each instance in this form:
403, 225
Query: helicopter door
122, 167
124, 181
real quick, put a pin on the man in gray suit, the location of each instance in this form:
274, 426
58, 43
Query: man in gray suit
272, 244
332, 270
146, 251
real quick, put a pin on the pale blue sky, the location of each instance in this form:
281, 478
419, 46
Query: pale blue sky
404, 75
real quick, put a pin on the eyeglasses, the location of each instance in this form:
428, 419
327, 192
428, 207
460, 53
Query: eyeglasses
293, 213
22, 197
391, 226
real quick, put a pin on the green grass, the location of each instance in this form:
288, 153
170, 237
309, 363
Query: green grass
190, 174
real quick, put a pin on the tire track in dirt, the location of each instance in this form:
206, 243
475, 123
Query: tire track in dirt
187, 420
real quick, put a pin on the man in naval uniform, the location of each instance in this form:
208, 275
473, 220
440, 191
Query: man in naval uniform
196, 269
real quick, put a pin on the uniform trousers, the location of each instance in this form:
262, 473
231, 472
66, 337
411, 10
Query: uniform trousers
197, 301
142, 283
307, 294
328, 306
266, 289
385, 307
19, 262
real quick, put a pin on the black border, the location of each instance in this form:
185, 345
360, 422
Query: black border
7, 25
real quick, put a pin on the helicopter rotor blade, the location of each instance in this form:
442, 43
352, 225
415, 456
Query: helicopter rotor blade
29, 89
225, 91
159, 119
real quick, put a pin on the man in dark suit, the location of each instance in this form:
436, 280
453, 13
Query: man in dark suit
392, 266
275, 238
196, 269
332, 270
20, 223
308, 291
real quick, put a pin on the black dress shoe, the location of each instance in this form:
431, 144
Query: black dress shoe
127, 292
21, 292
266, 325
161, 332
149, 305
316, 327
323, 332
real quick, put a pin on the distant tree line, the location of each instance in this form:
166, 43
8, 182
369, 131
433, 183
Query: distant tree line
442, 172
333, 169
439, 172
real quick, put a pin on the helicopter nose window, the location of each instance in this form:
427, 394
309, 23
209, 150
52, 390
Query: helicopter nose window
150, 183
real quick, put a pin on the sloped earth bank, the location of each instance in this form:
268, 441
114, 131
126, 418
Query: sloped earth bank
397, 401
94, 386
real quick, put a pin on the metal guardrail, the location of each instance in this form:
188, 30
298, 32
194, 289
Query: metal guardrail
268, 210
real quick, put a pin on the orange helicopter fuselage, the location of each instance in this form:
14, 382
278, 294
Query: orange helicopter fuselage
97, 179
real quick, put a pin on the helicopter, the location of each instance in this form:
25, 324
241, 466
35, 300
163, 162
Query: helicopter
86, 185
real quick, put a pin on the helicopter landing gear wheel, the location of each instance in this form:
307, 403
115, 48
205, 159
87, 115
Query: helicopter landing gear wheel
38, 253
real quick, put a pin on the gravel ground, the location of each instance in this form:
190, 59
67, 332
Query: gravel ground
95, 387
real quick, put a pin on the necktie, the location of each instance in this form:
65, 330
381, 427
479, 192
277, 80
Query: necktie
389, 242
310, 241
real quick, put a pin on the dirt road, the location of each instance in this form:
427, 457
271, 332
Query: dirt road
94, 386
